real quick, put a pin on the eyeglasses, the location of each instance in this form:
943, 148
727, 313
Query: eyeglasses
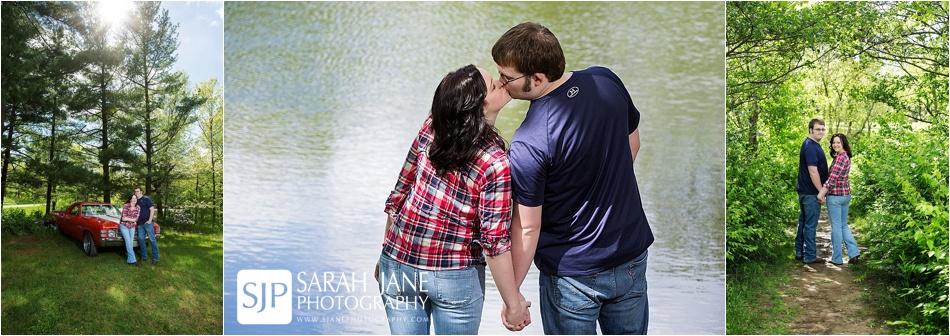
506, 81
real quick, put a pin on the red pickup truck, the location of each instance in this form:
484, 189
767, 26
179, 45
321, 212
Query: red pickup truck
95, 223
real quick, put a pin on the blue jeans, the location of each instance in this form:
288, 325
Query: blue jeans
127, 236
451, 299
617, 298
838, 214
809, 208
143, 230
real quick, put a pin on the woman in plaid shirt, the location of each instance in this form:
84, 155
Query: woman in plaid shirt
130, 214
450, 214
838, 192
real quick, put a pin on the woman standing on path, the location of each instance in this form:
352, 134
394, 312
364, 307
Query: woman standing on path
838, 191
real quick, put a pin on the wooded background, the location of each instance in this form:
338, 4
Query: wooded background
91, 110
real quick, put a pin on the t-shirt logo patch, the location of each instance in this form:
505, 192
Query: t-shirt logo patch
573, 92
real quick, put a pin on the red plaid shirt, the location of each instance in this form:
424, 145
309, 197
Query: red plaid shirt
129, 211
442, 223
837, 183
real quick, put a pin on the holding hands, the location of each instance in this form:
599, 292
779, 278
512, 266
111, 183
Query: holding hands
822, 195
518, 317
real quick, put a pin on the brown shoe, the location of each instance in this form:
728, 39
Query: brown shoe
855, 260
137, 263
819, 260
154, 262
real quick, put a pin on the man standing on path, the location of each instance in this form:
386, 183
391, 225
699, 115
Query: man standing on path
812, 174
146, 225
573, 157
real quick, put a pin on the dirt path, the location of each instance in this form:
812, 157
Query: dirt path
826, 296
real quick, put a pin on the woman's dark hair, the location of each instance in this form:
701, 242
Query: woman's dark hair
127, 199
458, 121
844, 145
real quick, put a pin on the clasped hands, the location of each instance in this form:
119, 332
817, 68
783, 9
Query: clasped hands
516, 318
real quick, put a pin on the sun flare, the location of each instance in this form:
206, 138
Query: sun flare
115, 12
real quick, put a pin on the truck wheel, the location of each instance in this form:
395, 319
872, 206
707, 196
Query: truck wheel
56, 229
88, 244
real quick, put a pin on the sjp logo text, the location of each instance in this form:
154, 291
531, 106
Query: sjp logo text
264, 297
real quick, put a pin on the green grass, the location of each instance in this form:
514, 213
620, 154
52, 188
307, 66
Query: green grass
753, 302
51, 287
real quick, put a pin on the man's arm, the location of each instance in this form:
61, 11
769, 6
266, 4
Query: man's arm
151, 215
815, 178
635, 144
525, 230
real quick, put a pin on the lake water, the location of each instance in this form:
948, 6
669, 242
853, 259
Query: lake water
322, 101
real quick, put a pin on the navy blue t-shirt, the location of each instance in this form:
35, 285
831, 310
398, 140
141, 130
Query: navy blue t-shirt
572, 155
145, 205
811, 154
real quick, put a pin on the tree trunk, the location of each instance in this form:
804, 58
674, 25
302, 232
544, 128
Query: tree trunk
197, 196
7, 154
148, 144
52, 154
754, 129
105, 159
214, 195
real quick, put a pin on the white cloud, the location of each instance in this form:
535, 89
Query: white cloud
220, 11
213, 24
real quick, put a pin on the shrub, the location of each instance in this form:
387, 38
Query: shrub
19, 222
901, 189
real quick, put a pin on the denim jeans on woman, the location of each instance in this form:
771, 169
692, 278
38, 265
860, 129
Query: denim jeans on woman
617, 298
451, 300
127, 235
838, 214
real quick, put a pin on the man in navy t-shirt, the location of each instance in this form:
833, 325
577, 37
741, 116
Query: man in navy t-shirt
146, 225
579, 213
812, 174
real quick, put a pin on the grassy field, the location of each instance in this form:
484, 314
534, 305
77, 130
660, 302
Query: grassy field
753, 303
50, 287
29, 209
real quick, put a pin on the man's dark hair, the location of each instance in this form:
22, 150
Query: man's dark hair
811, 124
458, 120
530, 48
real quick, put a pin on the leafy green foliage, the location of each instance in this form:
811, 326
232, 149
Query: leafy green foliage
901, 190
91, 111
877, 72
19, 222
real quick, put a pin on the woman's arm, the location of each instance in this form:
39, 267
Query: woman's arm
515, 315
838, 170
494, 210
407, 174
389, 223
127, 215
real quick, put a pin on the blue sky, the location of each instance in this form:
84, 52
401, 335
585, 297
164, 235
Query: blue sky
201, 37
